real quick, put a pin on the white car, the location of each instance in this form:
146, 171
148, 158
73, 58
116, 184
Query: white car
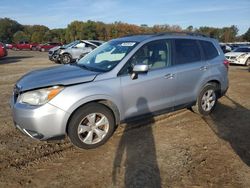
239, 56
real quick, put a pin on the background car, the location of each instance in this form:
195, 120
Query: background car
239, 56
3, 50
9, 46
72, 51
225, 48
24, 45
47, 46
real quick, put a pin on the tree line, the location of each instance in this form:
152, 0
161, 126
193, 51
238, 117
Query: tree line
12, 31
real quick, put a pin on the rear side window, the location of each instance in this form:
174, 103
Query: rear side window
186, 51
209, 50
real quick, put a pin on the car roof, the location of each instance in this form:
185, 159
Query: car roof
142, 37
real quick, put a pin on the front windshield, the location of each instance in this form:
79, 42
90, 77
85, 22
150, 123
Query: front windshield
107, 56
70, 44
242, 50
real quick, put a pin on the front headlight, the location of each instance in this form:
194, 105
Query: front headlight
241, 56
40, 96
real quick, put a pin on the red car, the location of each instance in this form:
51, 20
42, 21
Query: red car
24, 45
3, 51
47, 46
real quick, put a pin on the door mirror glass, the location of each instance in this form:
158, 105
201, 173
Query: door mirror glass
140, 68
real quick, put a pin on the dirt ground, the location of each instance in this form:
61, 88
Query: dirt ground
178, 149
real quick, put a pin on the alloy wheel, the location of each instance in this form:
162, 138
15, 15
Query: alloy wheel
93, 128
208, 100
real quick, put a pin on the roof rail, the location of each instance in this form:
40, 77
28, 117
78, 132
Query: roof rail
170, 33
182, 33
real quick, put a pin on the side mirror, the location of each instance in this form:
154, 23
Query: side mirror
139, 69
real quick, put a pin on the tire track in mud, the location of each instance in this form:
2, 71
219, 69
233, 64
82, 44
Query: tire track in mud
54, 150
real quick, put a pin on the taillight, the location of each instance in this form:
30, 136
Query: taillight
226, 63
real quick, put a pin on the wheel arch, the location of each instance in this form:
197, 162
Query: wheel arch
216, 82
218, 86
67, 53
107, 103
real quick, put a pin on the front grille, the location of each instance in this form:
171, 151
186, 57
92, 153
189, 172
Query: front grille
230, 57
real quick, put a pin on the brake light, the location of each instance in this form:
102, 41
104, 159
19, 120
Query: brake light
226, 63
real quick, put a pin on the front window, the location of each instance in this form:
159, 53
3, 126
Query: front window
107, 56
156, 55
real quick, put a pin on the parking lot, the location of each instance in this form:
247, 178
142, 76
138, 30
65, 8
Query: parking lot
179, 149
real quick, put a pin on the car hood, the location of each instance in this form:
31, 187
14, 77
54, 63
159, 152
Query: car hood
55, 48
59, 75
234, 54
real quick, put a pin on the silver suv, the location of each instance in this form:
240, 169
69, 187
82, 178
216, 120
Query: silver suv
71, 52
122, 79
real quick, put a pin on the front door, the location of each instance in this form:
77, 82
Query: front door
152, 91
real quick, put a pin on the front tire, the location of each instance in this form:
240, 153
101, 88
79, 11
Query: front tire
66, 59
206, 100
247, 62
91, 126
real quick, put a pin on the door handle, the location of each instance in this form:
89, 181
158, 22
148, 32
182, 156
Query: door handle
203, 68
169, 76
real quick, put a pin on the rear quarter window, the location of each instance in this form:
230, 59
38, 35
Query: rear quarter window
209, 50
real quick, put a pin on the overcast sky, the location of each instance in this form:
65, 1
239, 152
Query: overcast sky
59, 13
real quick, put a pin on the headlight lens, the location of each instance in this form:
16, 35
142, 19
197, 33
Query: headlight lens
242, 56
40, 96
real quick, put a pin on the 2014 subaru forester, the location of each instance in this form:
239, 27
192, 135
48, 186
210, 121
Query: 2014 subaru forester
122, 79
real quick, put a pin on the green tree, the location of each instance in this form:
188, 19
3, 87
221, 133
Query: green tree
8, 28
246, 36
20, 36
190, 28
37, 33
58, 35
229, 33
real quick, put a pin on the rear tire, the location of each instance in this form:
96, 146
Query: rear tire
91, 126
206, 100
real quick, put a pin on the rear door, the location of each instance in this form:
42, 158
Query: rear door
190, 70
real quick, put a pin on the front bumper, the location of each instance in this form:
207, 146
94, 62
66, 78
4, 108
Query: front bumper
54, 57
236, 61
42, 122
